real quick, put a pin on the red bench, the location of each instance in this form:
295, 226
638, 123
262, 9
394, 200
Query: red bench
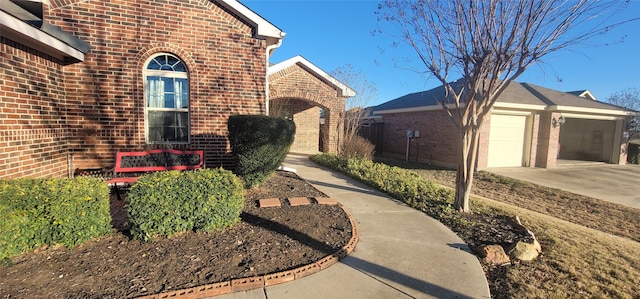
130, 165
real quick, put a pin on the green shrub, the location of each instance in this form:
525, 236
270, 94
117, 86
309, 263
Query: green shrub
401, 184
170, 202
259, 144
51, 211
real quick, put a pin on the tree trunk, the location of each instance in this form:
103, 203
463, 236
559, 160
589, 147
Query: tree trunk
466, 167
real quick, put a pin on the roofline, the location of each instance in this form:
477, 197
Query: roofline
345, 91
414, 109
16, 29
502, 105
588, 110
264, 29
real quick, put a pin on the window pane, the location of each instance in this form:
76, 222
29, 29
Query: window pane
172, 60
162, 59
180, 67
153, 65
169, 101
154, 92
155, 134
182, 95
183, 135
183, 119
168, 84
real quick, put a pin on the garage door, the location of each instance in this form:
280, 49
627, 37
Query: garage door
506, 140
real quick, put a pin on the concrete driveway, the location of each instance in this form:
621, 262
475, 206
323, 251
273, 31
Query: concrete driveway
615, 183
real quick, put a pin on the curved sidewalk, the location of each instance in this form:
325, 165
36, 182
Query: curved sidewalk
402, 253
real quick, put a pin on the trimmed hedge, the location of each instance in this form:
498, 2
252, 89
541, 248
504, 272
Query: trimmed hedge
401, 184
51, 211
259, 144
169, 202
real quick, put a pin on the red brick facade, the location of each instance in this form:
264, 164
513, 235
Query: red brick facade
297, 84
105, 98
548, 136
56, 117
438, 142
32, 99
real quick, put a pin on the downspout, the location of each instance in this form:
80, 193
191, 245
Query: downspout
270, 49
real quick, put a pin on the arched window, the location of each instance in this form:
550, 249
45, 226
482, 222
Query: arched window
167, 100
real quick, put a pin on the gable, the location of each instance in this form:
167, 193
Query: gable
301, 62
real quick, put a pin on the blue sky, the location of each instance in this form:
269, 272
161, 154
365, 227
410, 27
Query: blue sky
334, 33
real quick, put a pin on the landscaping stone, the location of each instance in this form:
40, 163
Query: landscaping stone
493, 254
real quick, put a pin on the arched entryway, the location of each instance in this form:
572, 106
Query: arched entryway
309, 120
300, 90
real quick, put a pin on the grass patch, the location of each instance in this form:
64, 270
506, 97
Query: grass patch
590, 247
577, 262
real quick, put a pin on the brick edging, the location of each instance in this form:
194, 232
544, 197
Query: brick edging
256, 282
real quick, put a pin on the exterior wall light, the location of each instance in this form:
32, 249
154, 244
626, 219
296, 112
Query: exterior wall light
558, 122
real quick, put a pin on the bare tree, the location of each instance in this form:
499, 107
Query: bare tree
629, 98
356, 108
487, 44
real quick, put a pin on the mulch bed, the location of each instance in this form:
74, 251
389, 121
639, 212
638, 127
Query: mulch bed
267, 240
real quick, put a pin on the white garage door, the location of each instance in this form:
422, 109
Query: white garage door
506, 140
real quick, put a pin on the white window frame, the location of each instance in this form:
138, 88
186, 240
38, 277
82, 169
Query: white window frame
147, 109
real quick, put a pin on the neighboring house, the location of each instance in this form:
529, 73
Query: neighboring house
529, 126
82, 79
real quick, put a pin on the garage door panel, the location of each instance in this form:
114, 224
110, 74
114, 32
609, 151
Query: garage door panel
506, 140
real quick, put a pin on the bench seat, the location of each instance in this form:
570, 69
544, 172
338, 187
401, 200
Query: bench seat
130, 165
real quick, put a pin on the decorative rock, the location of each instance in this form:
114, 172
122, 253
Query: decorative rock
493, 254
525, 251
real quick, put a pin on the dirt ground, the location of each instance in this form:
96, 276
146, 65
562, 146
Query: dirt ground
267, 240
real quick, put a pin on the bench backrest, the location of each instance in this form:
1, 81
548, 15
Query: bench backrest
158, 160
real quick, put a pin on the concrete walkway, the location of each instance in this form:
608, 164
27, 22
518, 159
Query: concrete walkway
402, 253
614, 183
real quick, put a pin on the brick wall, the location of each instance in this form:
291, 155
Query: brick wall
483, 145
104, 94
297, 83
548, 138
32, 108
438, 142
306, 116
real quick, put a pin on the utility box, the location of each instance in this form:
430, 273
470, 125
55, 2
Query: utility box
413, 133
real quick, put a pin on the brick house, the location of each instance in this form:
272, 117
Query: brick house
82, 79
529, 126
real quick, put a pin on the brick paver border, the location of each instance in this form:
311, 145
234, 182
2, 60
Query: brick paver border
262, 281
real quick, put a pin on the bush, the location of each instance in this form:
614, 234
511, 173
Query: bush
633, 154
170, 202
259, 144
401, 184
50, 211
358, 147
